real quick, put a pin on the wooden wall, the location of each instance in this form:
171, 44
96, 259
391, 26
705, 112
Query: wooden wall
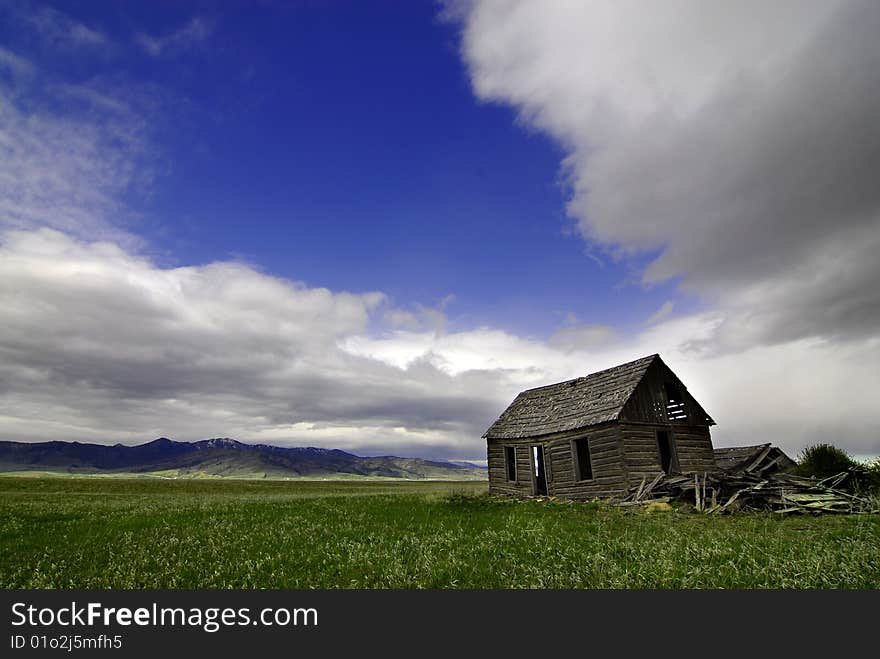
498, 483
606, 457
693, 449
621, 455
606, 454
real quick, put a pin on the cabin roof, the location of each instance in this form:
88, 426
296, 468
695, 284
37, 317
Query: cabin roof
729, 457
733, 458
573, 404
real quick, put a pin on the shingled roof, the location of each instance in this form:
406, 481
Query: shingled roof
572, 404
732, 456
739, 457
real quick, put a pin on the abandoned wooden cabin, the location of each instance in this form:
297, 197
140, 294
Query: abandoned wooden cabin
599, 435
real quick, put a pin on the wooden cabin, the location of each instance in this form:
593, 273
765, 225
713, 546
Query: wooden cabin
599, 435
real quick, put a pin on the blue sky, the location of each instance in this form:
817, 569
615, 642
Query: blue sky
421, 208
345, 148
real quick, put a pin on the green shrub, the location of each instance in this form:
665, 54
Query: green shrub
866, 478
823, 460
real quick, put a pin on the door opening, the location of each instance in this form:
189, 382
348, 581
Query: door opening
539, 473
668, 461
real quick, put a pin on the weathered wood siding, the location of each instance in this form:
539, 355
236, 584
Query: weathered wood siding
693, 445
693, 449
498, 483
606, 457
648, 403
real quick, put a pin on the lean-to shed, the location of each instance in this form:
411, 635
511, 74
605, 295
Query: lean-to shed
599, 435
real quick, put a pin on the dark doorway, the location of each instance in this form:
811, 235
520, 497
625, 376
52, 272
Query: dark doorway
668, 461
539, 473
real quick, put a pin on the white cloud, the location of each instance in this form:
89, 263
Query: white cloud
664, 312
100, 344
737, 139
58, 30
422, 317
15, 64
575, 337
196, 31
68, 170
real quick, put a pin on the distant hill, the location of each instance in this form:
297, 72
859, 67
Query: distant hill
221, 457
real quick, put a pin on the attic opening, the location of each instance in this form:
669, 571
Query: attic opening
674, 402
668, 459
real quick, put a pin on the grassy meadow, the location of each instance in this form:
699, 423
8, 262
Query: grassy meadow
154, 533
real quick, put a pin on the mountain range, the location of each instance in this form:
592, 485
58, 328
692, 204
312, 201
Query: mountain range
221, 457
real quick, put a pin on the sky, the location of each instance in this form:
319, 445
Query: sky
368, 226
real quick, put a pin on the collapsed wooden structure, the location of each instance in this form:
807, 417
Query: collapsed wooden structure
599, 436
760, 459
750, 478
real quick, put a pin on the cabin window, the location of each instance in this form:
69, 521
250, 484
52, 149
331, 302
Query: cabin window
510, 462
583, 465
674, 402
668, 460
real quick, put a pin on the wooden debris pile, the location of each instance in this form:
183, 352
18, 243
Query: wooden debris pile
753, 486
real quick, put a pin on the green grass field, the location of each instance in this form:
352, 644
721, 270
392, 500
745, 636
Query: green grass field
146, 533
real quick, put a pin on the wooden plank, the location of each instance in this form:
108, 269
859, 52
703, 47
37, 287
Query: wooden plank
639, 491
758, 460
653, 483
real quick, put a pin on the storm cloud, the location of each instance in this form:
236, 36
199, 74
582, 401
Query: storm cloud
101, 344
109, 345
737, 142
